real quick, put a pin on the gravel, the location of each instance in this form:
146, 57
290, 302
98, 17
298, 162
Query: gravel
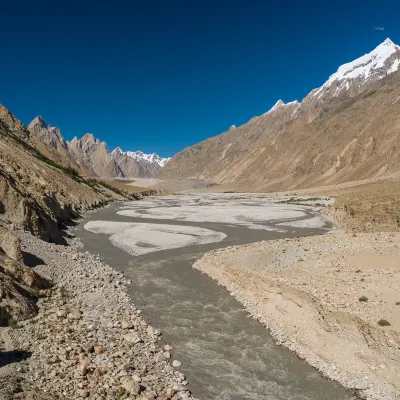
88, 341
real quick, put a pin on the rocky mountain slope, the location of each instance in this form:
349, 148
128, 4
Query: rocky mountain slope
345, 130
36, 193
93, 156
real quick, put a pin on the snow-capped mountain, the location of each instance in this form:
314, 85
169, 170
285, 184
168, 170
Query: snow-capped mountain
140, 156
347, 129
280, 105
349, 79
380, 62
137, 163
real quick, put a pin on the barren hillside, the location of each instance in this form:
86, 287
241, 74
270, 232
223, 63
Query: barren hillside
346, 130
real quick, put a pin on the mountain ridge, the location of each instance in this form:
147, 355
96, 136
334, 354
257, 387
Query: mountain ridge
92, 156
325, 138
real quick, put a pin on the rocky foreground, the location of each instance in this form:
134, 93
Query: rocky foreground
333, 299
88, 340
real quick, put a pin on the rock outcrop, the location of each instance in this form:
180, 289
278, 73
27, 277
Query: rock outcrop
18, 283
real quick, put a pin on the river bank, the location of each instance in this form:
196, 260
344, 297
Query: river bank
88, 340
333, 299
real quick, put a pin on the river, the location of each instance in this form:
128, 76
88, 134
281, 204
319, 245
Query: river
225, 354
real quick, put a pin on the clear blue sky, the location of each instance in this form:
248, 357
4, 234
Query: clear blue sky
159, 75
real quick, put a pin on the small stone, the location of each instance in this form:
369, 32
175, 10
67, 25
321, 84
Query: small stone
74, 316
176, 364
361, 385
98, 349
149, 396
132, 338
88, 348
167, 355
61, 314
170, 392
126, 325
83, 366
82, 393
131, 387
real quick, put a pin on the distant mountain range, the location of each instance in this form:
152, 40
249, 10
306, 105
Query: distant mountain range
346, 130
93, 157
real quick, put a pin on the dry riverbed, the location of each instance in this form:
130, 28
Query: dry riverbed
88, 340
333, 299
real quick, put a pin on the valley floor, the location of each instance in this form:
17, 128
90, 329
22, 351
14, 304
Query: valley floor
333, 299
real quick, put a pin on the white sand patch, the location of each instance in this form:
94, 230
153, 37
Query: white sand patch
142, 238
240, 209
315, 222
234, 214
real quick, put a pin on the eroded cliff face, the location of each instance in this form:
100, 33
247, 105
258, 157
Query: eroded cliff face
19, 284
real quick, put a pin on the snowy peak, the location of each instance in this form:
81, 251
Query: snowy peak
382, 61
280, 105
277, 105
140, 156
117, 151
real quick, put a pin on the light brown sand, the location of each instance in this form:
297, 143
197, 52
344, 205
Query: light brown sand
308, 292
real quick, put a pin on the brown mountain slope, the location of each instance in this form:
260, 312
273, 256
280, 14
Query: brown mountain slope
345, 131
36, 193
355, 139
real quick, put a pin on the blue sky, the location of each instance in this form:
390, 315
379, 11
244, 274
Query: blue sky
161, 75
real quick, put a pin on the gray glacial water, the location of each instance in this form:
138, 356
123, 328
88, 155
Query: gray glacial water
226, 354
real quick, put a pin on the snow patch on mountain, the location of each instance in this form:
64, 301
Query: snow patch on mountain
280, 105
140, 156
375, 65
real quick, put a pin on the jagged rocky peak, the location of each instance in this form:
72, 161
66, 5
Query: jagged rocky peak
39, 120
38, 124
48, 134
380, 62
92, 156
87, 140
